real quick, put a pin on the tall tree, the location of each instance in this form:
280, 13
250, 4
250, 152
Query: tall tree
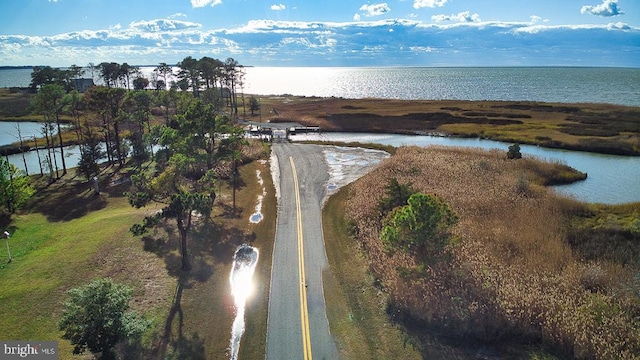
125, 73
46, 75
185, 172
47, 131
233, 74
50, 102
108, 102
191, 74
109, 73
73, 103
140, 83
137, 104
254, 105
75, 71
163, 70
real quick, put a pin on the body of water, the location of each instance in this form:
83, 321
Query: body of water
548, 84
612, 179
567, 85
11, 132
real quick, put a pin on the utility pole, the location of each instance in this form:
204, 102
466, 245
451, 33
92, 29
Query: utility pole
5, 235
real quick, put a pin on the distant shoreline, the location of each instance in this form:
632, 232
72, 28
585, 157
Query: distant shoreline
16, 67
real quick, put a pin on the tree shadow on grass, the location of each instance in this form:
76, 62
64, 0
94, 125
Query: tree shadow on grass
66, 202
209, 244
73, 196
172, 343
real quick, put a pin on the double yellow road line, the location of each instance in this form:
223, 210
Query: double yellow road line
304, 311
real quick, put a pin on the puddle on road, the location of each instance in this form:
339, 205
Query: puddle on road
244, 264
256, 217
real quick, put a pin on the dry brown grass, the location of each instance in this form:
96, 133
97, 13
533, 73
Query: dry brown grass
588, 127
510, 273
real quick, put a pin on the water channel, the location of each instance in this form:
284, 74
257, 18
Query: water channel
611, 179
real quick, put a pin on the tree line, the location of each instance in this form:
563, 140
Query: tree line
114, 106
212, 78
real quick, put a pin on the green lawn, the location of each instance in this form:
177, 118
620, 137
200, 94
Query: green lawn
50, 257
68, 236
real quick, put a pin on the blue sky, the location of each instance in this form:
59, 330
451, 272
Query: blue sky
323, 33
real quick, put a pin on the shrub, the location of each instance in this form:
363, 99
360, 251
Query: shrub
96, 317
514, 152
422, 224
397, 195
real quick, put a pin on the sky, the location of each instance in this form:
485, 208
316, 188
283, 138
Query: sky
60, 33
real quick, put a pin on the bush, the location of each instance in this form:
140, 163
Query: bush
422, 224
514, 152
96, 317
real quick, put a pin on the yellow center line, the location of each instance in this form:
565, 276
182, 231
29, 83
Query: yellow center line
304, 312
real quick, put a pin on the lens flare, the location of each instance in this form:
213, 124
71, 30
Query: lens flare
244, 264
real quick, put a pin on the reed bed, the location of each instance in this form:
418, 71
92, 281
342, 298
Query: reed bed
509, 273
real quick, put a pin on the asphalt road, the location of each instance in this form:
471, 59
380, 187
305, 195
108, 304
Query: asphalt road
299, 227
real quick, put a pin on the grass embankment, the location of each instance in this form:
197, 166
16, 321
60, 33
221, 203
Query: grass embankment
599, 128
529, 275
68, 236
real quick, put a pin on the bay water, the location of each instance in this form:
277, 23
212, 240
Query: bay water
611, 179
549, 84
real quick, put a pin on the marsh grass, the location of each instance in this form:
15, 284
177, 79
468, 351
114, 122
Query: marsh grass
511, 276
587, 127
355, 307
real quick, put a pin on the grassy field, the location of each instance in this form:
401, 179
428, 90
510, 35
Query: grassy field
68, 236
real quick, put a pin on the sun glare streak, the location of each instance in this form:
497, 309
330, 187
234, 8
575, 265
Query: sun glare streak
242, 287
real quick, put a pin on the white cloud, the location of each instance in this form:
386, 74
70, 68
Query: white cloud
375, 9
464, 16
177, 15
356, 17
607, 8
163, 25
422, 49
351, 43
203, 3
278, 7
418, 4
